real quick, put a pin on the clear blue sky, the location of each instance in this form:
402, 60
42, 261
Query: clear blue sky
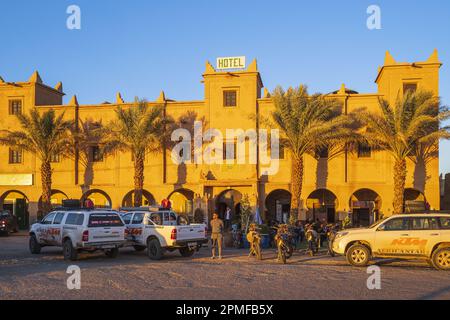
141, 47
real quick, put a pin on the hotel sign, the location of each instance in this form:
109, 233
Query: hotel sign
226, 63
16, 179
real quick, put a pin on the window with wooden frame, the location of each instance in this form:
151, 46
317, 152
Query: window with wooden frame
230, 98
15, 156
409, 87
364, 150
96, 154
15, 106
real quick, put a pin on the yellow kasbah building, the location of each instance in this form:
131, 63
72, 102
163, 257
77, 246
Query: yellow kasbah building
357, 183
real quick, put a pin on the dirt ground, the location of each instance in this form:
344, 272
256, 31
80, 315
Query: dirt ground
133, 276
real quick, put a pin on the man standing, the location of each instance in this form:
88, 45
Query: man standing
227, 218
216, 235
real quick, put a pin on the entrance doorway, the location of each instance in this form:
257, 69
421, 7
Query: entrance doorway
322, 205
16, 203
365, 206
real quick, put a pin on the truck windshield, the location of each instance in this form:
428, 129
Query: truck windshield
373, 225
104, 220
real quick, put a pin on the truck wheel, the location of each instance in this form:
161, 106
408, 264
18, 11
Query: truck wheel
154, 249
358, 255
139, 248
35, 247
70, 253
186, 252
112, 253
441, 259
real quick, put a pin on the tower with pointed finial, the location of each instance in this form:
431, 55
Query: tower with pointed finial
73, 101
161, 98
394, 77
119, 99
389, 59
209, 68
253, 66
59, 87
35, 78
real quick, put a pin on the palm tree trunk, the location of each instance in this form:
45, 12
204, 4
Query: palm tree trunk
46, 177
399, 185
138, 179
296, 185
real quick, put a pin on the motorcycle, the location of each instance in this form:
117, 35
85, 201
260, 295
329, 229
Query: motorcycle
284, 244
331, 234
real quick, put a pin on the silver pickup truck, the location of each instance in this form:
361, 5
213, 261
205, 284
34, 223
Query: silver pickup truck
161, 230
79, 230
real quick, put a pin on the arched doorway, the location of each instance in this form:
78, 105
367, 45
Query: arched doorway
322, 204
278, 205
147, 199
183, 201
414, 201
365, 205
99, 197
231, 199
16, 202
56, 199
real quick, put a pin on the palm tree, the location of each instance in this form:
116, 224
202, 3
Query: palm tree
140, 130
47, 136
85, 134
408, 127
307, 123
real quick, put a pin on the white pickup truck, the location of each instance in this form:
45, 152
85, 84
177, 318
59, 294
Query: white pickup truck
159, 229
77, 230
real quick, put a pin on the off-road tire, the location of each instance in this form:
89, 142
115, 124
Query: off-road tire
358, 255
35, 247
154, 249
441, 259
69, 252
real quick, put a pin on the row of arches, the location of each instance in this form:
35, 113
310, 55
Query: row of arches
364, 205
100, 198
322, 204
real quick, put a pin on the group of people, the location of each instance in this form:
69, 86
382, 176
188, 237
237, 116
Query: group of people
316, 233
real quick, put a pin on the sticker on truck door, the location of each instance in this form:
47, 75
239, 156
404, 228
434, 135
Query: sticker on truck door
406, 246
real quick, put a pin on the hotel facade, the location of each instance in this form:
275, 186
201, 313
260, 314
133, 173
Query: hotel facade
359, 183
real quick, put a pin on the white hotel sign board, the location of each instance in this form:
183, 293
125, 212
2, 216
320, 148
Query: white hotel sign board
16, 179
227, 63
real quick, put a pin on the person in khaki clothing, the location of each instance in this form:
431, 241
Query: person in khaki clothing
217, 227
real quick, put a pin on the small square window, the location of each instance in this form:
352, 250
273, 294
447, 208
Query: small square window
230, 98
15, 156
409, 88
15, 107
97, 155
364, 150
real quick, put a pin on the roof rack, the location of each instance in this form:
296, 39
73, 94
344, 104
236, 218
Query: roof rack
145, 209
